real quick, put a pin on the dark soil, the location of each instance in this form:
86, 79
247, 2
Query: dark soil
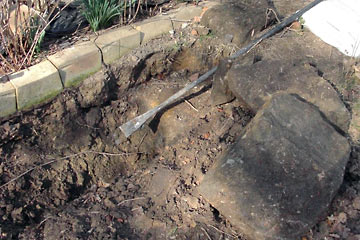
68, 172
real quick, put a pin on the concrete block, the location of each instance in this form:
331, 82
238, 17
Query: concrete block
117, 43
154, 27
7, 99
77, 63
35, 85
190, 13
129, 40
185, 13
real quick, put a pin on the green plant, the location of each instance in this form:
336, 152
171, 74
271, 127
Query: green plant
36, 37
302, 21
100, 13
211, 34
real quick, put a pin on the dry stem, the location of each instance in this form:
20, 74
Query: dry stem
63, 158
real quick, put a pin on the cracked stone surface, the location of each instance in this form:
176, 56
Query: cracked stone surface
281, 173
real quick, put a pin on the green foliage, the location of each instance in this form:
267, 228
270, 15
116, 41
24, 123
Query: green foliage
100, 13
302, 21
35, 29
211, 34
38, 44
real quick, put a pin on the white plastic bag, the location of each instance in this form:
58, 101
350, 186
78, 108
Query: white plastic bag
337, 22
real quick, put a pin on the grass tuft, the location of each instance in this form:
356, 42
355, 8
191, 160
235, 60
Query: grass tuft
100, 13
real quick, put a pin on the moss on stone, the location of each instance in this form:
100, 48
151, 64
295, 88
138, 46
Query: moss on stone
44, 99
76, 81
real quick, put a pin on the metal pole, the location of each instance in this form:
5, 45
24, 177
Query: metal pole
133, 125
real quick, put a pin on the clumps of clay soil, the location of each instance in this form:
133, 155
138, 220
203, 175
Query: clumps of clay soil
67, 171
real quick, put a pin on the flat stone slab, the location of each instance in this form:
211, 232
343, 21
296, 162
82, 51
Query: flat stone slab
253, 84
36, 85
7, 99
282, 172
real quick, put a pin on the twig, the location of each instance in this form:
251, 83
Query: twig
137, 10
220, 231
26, 172
112, 154
176, 20
63, 158
268, 11
142, 140
137, 208
85, 125
191, 105
129, 200
38, 34
43, 221
207, 235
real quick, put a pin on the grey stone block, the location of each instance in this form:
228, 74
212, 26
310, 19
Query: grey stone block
7, 99
35, 85
77, 62
282, 172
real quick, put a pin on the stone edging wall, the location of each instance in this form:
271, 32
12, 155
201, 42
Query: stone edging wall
42, 82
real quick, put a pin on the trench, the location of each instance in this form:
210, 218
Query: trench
67, 160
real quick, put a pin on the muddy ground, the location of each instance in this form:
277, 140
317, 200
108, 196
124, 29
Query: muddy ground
68, 172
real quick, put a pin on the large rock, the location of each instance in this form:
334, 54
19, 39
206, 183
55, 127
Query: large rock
287, 7
254, 83
282, 172
235, 22
292, 46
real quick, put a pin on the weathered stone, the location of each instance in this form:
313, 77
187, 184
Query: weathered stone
327, 60
76, 63
287, 7
153, 27
117, 43
129, 40
19, 18
220, 92
7, 99
185, 13
282, 172
253, 84
354, 129
239, 20
37, 84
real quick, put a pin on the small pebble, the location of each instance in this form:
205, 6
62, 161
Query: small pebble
356, 203
228, 38
194, 32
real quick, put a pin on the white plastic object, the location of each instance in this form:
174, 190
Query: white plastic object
337, 22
